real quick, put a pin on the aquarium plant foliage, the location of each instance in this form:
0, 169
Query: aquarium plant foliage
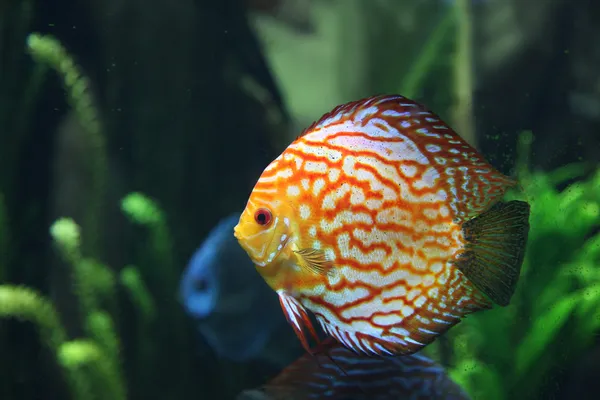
555, 313
494, 355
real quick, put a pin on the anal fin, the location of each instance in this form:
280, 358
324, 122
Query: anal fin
495, 249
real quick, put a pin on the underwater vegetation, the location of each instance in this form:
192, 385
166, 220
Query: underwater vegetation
554, 315
500, 354
92, 365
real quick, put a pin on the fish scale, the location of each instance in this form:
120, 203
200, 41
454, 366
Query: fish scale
379, 188
374, 173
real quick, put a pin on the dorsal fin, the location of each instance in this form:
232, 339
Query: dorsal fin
346, 109
469, 181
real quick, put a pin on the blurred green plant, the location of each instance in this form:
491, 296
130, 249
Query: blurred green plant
555, 313
92, 365
498, 354
48, 52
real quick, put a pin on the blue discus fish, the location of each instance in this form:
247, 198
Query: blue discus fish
342, 374
233, 308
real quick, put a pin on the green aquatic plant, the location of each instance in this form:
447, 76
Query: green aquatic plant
511, 351
46, 49
145, 315
87, 360
93, 283
157, 269
495, 354
28, 305
144, 211
49, 52
91, 365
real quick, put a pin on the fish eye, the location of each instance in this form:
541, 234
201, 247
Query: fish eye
263, 216
201, 285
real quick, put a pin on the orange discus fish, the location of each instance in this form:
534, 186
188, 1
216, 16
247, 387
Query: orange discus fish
385, 224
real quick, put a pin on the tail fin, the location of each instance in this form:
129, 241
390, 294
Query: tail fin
495, 249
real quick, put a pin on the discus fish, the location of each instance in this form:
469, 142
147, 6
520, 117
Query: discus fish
233, 308
395, 378
386, 225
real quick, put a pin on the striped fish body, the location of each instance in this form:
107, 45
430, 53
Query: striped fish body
370, 226
343, 374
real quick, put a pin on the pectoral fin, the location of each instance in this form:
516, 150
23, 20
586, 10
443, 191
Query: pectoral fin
315, 261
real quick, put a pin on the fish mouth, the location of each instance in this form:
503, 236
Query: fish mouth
239, 237
261, 256
242, 242
236, 232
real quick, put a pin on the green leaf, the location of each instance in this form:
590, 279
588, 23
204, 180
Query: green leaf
589, 313
560, 286
590, 251
566, 172
479, 380
543, 331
